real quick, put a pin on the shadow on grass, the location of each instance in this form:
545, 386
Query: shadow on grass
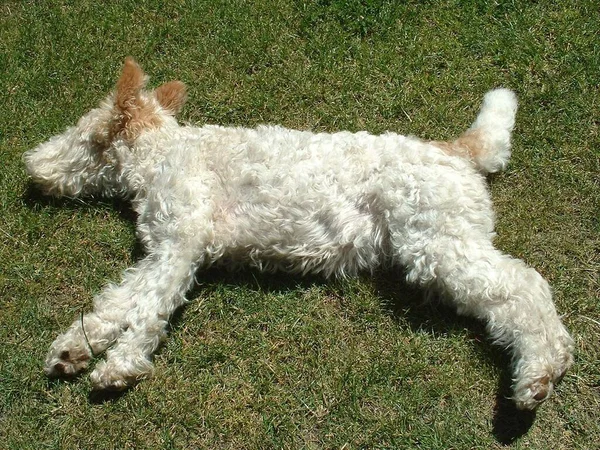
403, 302
98, 397
509, 423
36, 201
54, 380
407, 302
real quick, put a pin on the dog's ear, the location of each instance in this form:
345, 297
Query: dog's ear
171, 96
130, 84
132, 112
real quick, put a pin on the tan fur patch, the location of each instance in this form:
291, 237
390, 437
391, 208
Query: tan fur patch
130, 84
135, 119
473, 142
134, 114
171, 96
469, 145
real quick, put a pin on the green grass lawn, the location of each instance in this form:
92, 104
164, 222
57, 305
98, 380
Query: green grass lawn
277, 361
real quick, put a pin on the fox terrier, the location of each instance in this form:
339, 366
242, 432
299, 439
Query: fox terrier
297, 201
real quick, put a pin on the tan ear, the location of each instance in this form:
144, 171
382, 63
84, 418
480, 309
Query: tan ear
130, 83
132, 113
171, 96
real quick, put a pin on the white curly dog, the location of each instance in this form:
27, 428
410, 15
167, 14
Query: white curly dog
297, 201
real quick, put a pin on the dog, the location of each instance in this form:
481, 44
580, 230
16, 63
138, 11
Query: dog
296, 201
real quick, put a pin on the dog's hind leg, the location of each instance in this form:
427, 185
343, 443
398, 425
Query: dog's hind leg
513, 299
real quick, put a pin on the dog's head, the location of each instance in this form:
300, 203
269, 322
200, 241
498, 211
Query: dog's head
87, 158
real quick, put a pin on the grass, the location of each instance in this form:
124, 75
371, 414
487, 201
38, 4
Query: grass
260, 361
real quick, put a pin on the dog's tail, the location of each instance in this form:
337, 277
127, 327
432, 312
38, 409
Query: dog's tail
487, 142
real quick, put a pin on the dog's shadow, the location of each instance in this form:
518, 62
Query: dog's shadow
406, 304
36, 200
403, 302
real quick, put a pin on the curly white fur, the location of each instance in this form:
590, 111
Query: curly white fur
280, 199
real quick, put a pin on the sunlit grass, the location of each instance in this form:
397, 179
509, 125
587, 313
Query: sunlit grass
277, 361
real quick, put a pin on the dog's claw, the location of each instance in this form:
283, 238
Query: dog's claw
529, 396
543, 387
62, 362
63, 367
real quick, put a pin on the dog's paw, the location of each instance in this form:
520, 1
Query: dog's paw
528, 394
66, 361
119, 375
535, 382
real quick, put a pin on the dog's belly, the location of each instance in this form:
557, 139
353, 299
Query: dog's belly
338, 238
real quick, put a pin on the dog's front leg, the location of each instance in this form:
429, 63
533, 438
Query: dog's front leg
93, 333
158, 284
